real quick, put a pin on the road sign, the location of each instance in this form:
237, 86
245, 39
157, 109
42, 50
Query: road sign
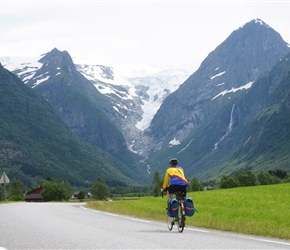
4, 179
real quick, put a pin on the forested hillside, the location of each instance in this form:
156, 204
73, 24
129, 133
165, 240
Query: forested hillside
35, 143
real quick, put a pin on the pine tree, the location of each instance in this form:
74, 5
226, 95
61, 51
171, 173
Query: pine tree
195, 184
157, 184
16, 190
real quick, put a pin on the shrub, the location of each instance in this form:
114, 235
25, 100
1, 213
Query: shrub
266, 178
196, 185
100, 189
247, 178
229, 181
81, 195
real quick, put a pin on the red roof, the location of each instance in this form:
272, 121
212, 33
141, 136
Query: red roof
34, 195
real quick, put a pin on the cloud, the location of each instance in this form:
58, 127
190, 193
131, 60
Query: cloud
131, 31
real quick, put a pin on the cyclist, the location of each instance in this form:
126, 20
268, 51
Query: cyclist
174, 179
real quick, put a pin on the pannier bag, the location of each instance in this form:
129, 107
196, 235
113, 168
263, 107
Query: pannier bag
189, 207
173, 207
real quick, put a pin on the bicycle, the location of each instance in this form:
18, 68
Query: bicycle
180, 219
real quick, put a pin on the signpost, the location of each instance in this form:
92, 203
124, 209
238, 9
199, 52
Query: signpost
4, 180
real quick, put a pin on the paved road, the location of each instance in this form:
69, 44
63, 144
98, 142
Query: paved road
73, 226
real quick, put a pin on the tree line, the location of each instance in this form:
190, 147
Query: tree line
54, 189
248, 178
239, 179
59, 189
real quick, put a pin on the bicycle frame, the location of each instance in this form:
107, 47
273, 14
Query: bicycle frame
180, 219
181, 213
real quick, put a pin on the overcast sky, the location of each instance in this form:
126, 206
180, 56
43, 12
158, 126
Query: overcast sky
131, 32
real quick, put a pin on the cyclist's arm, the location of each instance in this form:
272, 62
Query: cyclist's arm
166, 180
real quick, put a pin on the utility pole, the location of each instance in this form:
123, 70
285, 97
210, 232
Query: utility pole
3, 180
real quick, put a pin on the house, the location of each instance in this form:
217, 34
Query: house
34, 195
75, 195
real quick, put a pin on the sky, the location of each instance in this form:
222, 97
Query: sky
131, 32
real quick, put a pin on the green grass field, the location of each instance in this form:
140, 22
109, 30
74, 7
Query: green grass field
258, 210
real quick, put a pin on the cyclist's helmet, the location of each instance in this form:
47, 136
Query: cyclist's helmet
173, 162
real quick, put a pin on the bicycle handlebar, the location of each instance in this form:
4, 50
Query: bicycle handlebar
162, 193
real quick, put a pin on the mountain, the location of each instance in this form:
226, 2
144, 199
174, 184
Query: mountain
129, 99
232, 67
200, 118
77, 101
249, 133
204, 121
35, 143
97, 102
87, 112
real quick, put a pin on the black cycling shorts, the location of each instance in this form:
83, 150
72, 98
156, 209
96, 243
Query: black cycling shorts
173, 189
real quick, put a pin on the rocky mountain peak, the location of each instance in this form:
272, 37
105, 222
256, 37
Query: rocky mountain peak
57, 58
231, 68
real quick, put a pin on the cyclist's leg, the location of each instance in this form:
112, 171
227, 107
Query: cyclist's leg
169, 192
169, 195
184, 190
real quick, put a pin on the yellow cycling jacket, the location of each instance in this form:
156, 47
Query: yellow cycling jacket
174, 176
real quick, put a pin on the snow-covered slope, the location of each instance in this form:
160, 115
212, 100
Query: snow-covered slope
151, 84
23, 67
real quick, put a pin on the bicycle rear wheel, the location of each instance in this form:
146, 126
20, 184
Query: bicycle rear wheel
180, 220
170, 222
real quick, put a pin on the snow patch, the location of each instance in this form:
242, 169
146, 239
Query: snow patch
233, 90
116, 109
40, 81
219, 74
174, 142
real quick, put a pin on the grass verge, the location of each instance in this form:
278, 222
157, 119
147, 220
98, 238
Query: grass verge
258, 210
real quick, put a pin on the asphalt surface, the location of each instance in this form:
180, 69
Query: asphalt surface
73, 226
